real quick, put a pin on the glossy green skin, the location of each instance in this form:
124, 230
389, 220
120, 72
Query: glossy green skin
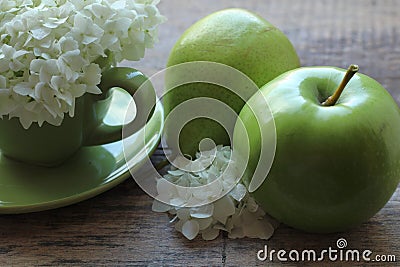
334, 167
237, 38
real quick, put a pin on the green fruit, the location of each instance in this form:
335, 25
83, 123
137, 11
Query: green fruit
237, 38
335, 166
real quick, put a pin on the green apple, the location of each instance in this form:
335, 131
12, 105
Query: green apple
234, 37
337, 159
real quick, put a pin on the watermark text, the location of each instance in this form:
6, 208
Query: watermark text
338, 253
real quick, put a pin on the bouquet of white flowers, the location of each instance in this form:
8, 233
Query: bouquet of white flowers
226, 206
53, 51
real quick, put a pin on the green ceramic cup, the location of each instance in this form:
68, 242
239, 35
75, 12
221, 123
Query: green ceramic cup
50, 145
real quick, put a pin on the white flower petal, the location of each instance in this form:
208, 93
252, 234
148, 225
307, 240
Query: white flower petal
40, 33
183, 214
7, 103
223, 208
4, 65
193, 201
53, 23
202, 194
3, 84
190, 229
24, 89
176, 172
93, 90
65, 96
92, 75
102, 12
36, 65
184, 193
177, 202
25, 121
89, 39
8, 51
201, 212
262, 229
118, 4
238, 192
74, 59
178, 225
210, 234
164, 198
77, 90
236, 233
20, 53
165, 187
204, 223
253, 227
68, 44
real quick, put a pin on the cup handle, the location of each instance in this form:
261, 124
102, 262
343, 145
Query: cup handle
130, 80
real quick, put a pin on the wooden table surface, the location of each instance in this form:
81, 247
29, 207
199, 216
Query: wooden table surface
118, 228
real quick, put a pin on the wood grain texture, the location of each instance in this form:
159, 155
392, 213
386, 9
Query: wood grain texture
118, 228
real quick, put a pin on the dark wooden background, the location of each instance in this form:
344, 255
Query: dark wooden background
118, 227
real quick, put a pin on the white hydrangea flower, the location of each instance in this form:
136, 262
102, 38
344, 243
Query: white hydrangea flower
50, 50
236, 212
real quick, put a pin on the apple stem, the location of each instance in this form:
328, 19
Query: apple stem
334, 98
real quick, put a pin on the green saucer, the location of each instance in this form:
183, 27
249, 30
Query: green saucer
91, 171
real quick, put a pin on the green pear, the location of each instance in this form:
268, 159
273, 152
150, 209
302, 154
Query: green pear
234, 37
